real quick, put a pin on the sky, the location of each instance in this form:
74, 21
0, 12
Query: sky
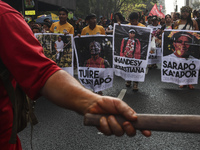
169, 5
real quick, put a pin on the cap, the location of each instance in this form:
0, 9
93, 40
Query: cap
131, 30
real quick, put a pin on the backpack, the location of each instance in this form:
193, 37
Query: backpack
21, 103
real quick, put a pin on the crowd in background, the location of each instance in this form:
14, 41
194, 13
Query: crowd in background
107, 23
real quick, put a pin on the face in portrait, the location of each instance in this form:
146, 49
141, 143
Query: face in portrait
182, 45
95, 48
131, 34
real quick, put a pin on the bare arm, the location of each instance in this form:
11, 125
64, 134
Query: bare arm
195, 24
65, 91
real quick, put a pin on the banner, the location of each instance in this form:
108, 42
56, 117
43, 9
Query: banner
181, 53
155, 11
95, 61
156, 51
131, 51
58, 47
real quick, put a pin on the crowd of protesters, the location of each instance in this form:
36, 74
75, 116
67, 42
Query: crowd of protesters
107, 23
90, 26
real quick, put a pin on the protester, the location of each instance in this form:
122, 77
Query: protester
155, 26
92, 28
198, 18
186, 23
176, 16
136, 47
62, 26
149, 20
36, 29
168, 24
142, 20
118, 18
46, 27
38, 75
133, 20
162, 21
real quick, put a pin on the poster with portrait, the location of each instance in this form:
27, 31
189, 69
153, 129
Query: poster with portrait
131, 51
59, 48
94, 61
155, 53
181, 53
29, 4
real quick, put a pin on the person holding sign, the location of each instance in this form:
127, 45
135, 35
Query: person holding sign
62, 26
186, 23
131, 48
184, 48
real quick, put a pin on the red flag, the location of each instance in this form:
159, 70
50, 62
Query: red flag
111, 16
155, 11
161, 7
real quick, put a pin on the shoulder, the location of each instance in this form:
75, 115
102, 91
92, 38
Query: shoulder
68, 24
177, 22
99, 26
55, 23
5, 8
141, 25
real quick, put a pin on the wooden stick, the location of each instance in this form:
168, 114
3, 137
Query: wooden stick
155, 122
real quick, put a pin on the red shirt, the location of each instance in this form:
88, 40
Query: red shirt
23, 56
95, 63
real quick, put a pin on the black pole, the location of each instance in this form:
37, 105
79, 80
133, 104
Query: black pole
23, 10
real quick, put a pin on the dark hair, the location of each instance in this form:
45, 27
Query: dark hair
35, 27
177, 14
193, 48
47, 24
88, 17
168, 15
189, 21
63, 9
120, 17
133, 15
179, 34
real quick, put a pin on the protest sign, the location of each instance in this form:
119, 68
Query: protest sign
95, 61
181, 53
59, 48
131, 51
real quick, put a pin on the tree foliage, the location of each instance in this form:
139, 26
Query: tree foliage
106, 7
196, 5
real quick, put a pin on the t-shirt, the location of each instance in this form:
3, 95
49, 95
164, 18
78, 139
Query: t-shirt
139, 24
59, 45
23, 56
57, 28
97, 30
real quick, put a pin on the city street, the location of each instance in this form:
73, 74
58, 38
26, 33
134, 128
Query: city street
60, 129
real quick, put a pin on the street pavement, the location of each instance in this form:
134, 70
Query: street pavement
61, 129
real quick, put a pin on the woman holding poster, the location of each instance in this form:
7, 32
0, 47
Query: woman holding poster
186, 23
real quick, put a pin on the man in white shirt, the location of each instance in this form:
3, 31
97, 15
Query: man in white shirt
59, 45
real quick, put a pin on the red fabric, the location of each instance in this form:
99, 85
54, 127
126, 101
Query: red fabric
23, 55
96, 63
155, 11
129, 49
161, 7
